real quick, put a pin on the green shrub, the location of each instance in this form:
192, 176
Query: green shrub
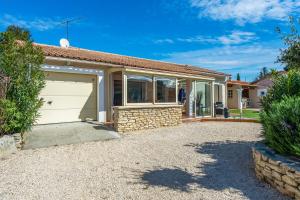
21, 61
9, 117
285, 85
281, 126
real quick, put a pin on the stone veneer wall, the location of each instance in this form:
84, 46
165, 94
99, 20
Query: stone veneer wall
131, 118
280, 172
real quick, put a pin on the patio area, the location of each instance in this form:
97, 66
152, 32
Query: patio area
209, 160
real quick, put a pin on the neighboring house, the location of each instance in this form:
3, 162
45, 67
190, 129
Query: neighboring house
133, 93
262, 87
248, 94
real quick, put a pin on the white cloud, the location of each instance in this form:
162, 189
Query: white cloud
234, 38
38, 24
198, 39
246, 59
237, 37
246, 11
167, 40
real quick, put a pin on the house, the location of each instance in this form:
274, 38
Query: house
248, 94
262, 87
133, 93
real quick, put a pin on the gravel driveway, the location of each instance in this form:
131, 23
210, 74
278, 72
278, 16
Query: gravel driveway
193, 161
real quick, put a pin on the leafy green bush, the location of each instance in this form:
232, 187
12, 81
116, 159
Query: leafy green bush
281, 126
9, 117
21, 61
284, 85
280, 116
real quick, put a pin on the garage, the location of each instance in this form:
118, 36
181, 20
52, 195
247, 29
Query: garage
68, 97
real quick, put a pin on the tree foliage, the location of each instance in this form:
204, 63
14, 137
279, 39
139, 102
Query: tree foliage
290, 56
263, 73
21, 61
238, 76
283, 85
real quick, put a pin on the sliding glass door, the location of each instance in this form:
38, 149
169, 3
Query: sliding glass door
203, 106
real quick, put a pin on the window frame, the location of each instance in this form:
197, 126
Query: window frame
259, 92
155, 90
126, 89
230, 94
153, 77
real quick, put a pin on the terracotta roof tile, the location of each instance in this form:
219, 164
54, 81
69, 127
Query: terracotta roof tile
243, 83
125, 61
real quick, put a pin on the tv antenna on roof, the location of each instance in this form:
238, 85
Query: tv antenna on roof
67, 22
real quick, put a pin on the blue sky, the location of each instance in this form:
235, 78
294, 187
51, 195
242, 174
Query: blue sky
226, 35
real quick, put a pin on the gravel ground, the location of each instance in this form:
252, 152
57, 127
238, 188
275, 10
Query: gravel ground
193, 161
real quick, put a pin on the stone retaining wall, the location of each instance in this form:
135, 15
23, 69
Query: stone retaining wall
7, 145
10, 144
280, 172
146, 117
18, 140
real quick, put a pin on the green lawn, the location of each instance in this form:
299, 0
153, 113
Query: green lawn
253, 114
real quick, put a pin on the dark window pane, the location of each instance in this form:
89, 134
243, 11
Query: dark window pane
139, 89
165, 90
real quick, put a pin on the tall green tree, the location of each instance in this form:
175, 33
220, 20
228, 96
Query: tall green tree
263, 72
19, 33
238, 76
290, 56
21, 61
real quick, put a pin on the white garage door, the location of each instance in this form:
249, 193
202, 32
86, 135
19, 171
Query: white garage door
68, 98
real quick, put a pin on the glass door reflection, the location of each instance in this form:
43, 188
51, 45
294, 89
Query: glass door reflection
202, 99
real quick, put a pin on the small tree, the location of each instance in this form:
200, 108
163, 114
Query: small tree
21, 61
238, 76
290, 56
263, 72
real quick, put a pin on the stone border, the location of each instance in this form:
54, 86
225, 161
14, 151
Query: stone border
281, 172
18, 140
10, 144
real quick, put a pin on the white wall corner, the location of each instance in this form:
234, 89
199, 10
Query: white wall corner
101, 98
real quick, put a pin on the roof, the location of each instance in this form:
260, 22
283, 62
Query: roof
242, 83
268, 76
124, 61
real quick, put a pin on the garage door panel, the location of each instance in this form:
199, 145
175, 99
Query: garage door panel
60, 102
68, 97
61, 88
67, 77
58, 116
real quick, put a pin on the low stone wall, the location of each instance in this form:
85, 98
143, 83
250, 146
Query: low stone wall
18, 140
131, 118
281, 172
10, 144
7, 145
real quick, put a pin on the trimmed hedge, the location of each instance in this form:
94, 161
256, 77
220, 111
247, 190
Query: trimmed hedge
280, 116
281, 126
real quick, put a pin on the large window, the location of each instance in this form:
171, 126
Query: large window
165, 90
139, 89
